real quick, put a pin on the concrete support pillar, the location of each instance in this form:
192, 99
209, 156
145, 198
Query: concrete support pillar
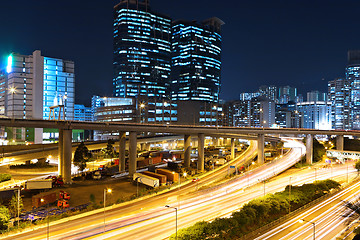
216, 141
142, 146
147, 147
122, 143
61, 153
309, 148
232, 149
132, 153
340, 142
261, 143
187, 150
228, 141
67, 155
201, 146
194, 144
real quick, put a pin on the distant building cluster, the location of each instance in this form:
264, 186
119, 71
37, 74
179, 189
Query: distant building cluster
166, 72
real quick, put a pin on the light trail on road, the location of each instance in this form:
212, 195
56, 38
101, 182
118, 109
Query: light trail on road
326, 215
149, 219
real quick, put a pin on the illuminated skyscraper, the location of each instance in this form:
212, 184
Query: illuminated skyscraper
196, 60
31, 84
141, 51
352, 73
339, 92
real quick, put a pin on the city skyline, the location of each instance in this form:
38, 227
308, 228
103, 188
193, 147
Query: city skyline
279, 44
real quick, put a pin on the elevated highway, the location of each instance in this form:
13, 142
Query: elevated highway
65, 138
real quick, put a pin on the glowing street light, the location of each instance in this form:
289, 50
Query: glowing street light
142, 106
109, 190
13, 91
47, 216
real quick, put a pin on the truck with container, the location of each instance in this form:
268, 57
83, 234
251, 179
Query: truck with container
146, 180
162, 178
42, 199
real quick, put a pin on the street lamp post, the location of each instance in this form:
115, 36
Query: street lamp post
109, 190
347, 171
176, 218
313, 223
290, 195
48, 223
18, 205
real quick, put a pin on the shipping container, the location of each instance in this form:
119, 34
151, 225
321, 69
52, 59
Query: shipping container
48, 198
162, 178
171, 176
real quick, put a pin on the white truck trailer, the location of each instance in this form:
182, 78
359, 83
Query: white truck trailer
146, 180
39, 184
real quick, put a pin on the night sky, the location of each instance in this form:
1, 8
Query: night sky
297, 43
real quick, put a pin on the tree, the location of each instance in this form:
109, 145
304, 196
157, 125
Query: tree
13, 205
4, 217
109, 150
81, 156
318, 150
357, 166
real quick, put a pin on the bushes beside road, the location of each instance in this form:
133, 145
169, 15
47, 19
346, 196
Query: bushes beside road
257, 212
4, 177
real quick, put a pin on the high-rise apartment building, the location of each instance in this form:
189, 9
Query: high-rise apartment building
30, 85
287, 94
339, 94
141, 51
196, 60
269, 92
315, 96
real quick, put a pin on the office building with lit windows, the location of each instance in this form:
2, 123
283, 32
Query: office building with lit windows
315, 115
339, 94
82, 113
352, 73
30, 85
141, 51
196, 60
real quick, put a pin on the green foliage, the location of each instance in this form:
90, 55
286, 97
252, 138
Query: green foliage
13, 205
4, 177
4, 217
92, 198
357, 230
81, 156
257, 213
318, 151
357, 165
32, 166
109, 150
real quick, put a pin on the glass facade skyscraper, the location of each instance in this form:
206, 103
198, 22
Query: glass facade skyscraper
59, 86
196, 60
352, 73
141, 51
339, 92
31, 84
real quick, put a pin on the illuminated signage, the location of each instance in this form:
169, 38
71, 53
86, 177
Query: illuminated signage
9, 65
